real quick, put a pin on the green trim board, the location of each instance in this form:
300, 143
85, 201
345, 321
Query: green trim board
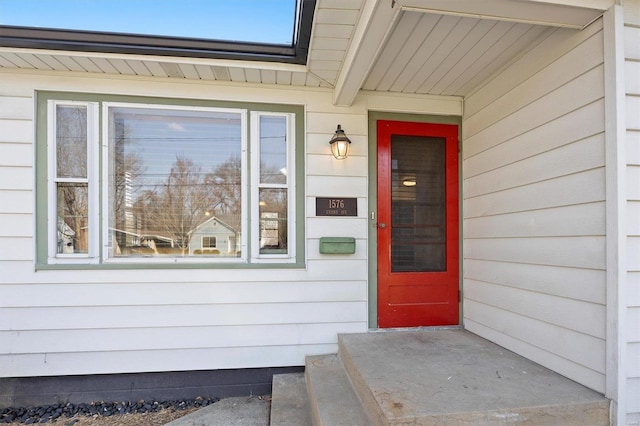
41, 175
374, 116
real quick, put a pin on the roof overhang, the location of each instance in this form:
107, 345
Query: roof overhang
379, 17
568, 13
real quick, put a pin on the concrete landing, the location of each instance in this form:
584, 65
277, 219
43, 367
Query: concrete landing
455, 377
239, 411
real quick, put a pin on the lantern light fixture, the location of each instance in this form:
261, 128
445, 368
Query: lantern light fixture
340, 144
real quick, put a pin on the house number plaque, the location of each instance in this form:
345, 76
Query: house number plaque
335, 206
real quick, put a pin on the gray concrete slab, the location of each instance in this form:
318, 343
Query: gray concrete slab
456, 377
289, 401
332, 399
240, 411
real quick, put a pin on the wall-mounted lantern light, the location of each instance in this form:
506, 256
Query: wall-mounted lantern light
340, 144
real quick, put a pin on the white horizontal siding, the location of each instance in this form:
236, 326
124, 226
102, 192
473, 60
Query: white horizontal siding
577, 284
56, 322
203, 337
534, 211
107, 362
632, 86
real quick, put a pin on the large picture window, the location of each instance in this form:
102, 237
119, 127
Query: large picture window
170, 171
136, 182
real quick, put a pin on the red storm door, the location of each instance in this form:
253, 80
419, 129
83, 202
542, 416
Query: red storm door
418, 247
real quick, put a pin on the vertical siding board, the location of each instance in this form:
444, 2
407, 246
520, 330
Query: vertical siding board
632, 80
533, 154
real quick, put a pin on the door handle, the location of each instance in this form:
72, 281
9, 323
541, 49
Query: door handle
382, 225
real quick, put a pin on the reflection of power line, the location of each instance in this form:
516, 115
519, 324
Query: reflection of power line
155, 185
172, 139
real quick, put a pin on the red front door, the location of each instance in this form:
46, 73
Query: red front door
418, 247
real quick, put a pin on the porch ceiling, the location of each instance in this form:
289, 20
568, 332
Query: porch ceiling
437, 47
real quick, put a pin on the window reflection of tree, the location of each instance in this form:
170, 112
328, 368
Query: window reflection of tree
187, 198
71, 164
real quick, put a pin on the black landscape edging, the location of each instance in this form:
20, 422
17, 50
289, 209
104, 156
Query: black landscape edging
43, 414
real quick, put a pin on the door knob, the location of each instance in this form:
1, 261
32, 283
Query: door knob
382, 225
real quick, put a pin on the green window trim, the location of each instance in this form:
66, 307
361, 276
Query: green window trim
42, 176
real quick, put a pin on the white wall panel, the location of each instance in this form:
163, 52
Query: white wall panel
547, 308
549, 48
562, 191
16, 131
16, 202
56, 322
574, 95
577, 252
632, 80
534, 211
14, 248
327, 165
157, 360
576, 125
566, 160
16, 154
577, 284
16, 225
16, 178
574, 220
131, 339
14, 107
556, 75
592, 379
632, 146
551, 338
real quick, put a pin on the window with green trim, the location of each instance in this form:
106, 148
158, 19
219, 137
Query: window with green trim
132, 181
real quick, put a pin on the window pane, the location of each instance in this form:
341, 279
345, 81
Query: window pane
175, 180
418, 204
273, 221
73, 218
71, 141
273, 150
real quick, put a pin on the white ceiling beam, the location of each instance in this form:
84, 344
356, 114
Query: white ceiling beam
556, 13
371, 32
589, 4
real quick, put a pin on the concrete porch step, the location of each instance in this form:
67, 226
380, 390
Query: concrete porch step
289, 401
332, 399
455, 377
433, 377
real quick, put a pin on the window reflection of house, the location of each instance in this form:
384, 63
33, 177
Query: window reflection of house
214, 237
143, 244
65, 237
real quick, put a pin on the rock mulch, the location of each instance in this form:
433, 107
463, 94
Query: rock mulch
74, 414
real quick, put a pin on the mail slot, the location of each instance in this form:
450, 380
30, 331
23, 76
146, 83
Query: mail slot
337, 245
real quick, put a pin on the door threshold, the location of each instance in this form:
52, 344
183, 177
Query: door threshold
423, 328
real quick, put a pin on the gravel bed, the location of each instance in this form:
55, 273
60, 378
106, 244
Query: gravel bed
44, 414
